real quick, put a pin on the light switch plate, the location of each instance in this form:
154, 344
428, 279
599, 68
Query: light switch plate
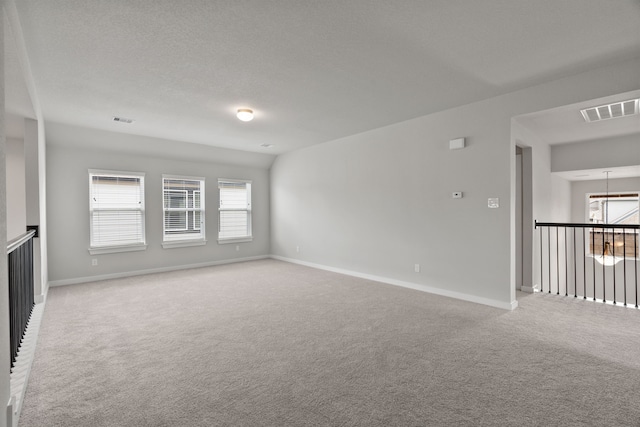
493, 202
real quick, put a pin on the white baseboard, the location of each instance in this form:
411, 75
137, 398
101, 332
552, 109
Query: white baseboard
97, 278
410, 285
530, 289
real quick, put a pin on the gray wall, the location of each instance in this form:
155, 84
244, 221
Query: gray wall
16, 195
596, 154
380, 202
68, 215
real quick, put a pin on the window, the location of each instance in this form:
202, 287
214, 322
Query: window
235, 211
614, 208
618, 209
183, 209
116, 209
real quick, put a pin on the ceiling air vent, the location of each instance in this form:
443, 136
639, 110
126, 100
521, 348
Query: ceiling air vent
610, 111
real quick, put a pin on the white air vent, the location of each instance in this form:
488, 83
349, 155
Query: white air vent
123, 120
610, 111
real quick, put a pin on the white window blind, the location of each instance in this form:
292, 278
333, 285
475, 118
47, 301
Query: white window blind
234, 210
116, 208
183, 208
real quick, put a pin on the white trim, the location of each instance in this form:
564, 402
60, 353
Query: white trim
235, 240
88, 279
115, 249
416, 286
183, 177
124, 174
170, 244
529, 289
235, 181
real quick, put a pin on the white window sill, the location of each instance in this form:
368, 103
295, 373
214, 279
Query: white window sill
116, 249
235, 240
182, 243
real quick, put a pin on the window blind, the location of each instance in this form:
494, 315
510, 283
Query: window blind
183, 208
116, 209
234, 210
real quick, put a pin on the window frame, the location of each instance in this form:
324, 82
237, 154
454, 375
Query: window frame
595, 225
105, 249
184, 240
237, 239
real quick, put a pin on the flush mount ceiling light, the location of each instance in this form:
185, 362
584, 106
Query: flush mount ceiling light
245, 114
611, 111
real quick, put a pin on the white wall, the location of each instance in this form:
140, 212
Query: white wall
5, 351
380, 202
16, 196
68, 215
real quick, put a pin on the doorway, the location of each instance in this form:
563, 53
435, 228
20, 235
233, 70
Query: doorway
524, 220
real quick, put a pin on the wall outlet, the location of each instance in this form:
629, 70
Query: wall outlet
297, 249
416, 268
94, 261
237, 248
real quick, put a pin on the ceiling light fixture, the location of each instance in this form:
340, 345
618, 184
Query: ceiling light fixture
245, 114
607, 258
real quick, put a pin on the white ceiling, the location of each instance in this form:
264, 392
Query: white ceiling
17, 101
566, 124
313, 71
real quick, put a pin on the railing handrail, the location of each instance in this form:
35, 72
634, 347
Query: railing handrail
18, 241
577, 225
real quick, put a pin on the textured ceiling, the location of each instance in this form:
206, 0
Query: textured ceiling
313, 71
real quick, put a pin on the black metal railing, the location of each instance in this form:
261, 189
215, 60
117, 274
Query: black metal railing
21, 299
595, 261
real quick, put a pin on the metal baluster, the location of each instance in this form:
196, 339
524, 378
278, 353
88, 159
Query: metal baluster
549, 246
635, 255
613, 250
557, 262
566, 269
604, 270
584, 265
624, 262
541, 264
593, 259
575, 267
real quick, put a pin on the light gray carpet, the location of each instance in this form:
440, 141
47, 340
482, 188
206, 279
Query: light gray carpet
268, 343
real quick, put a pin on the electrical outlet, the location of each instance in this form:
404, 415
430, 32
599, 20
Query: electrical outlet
237, 248
416, 268
94, 261
297, 249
